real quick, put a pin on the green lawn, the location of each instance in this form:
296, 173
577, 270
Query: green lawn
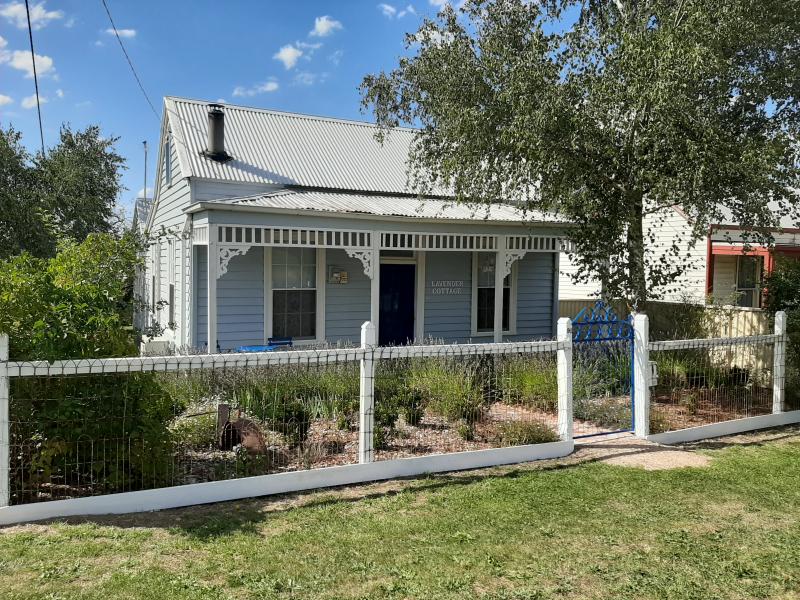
731, 530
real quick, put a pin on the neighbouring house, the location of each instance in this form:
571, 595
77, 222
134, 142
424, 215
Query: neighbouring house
722, 269
267, 224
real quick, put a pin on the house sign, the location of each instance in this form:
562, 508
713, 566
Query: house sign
447, 287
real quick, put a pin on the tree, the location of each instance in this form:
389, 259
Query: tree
75, 305
22, 222
609, 113
80, 183
66, 194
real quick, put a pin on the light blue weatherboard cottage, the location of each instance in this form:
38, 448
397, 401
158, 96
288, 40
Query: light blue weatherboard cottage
268, 224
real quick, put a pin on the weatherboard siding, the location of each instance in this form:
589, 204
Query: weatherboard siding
172, 199
448, 317
535, 297
347, 305
205, 190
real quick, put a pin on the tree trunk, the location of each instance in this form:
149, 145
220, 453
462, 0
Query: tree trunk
636, 272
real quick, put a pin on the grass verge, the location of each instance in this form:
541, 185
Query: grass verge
588, 531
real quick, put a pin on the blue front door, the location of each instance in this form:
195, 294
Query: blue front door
396, 320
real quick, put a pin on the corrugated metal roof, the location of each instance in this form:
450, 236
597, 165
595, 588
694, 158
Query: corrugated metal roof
285, 148
387, 206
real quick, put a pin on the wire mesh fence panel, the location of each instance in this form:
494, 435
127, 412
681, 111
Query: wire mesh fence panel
91, 434
701, 382
447, 400
601, 380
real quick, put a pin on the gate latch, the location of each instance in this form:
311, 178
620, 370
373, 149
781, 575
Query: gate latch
653, 373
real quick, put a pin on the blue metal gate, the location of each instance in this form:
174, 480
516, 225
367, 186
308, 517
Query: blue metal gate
602, 371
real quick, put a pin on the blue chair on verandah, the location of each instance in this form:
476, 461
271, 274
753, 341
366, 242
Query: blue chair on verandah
273, 344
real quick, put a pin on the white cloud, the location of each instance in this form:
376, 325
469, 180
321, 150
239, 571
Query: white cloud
261, 88
439, 3
388, 10
307, 78
5, 100
288, 55
99, 43
70, 23
21, 60
60, 93
123, 33
140, 193
30, 101
336, 57
3, 42
408, 10
324, 26
14, 13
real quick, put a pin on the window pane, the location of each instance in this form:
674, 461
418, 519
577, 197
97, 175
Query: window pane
292, 276
486, 269
747, 272
294, 313
485, 309
278, 256
309, 257
278, 276
309, 277
506, 310
293, 256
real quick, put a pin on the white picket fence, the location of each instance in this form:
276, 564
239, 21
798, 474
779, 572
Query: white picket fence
367, 356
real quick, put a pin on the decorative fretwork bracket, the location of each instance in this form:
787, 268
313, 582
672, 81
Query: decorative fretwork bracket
512, 256
365, 256
226, 253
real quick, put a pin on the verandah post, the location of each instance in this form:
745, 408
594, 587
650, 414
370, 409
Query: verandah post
641, 375
367, 394
779, 364
5, 425
564, 353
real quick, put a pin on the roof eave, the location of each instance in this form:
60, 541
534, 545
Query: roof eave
201, 206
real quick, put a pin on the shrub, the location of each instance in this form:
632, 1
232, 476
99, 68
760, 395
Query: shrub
196, 431
449, 388
520, 433
531, 382
613, 413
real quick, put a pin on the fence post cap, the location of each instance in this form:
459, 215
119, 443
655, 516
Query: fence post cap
368, 334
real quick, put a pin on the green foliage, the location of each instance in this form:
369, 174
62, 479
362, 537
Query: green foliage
74, 305
451, 389
532, 382
607, 112
195, 432
520, 433
67, 194
107, 430
613, 413
783, 293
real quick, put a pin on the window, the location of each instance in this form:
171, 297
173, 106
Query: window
484, 294
294, 292
748, 278
168, 163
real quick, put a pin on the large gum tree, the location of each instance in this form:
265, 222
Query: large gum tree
612, 114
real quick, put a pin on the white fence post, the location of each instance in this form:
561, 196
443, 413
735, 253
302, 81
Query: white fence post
565, 416
5, 425
641, 375
779, 364
367, 394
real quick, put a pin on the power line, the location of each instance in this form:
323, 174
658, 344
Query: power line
128, 58
35, 76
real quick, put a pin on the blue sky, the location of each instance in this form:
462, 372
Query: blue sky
302, 55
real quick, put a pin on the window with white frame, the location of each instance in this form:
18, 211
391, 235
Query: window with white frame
168, 163
483, 294
294, 292
748, 281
